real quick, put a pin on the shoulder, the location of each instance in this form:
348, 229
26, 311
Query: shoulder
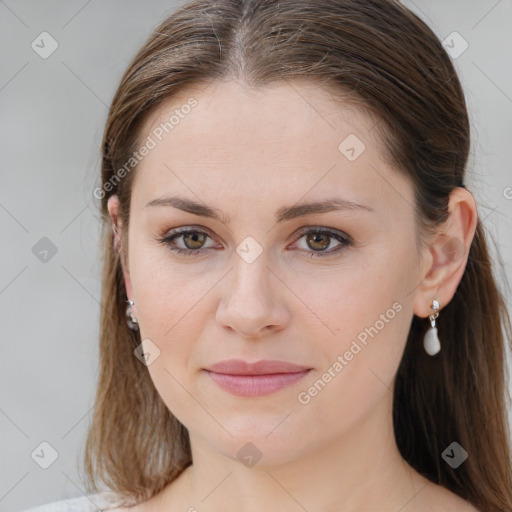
442, 499
104, 501
432, 496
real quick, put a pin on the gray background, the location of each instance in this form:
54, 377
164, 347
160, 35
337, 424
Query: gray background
52, 116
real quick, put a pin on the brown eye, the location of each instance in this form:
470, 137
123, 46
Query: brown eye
194, 239
318, 241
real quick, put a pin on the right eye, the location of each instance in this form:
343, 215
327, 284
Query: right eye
190, 238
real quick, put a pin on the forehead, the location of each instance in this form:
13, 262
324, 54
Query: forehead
285, 137
272, 114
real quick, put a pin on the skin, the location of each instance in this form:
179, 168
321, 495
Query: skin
248, 153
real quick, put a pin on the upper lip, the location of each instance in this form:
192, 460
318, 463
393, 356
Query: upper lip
264, 367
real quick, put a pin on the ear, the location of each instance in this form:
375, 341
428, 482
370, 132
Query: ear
447, 254
113, 210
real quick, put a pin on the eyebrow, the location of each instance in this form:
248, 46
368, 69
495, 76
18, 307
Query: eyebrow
282, 214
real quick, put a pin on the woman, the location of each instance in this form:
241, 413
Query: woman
299, 310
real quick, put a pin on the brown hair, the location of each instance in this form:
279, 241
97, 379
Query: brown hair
389, 62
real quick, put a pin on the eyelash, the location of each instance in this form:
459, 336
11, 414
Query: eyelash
344, 240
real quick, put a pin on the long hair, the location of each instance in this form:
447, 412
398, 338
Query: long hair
387, 61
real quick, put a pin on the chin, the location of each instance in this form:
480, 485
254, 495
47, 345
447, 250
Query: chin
253, 446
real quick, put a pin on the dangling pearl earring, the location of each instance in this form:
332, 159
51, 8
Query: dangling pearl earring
431, 341
131, 320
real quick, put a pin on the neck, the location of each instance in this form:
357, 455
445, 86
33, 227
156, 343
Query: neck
363, 470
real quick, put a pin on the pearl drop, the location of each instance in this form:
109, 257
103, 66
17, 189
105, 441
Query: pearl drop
431, 342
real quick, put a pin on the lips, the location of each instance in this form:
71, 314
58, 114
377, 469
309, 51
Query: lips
255, 379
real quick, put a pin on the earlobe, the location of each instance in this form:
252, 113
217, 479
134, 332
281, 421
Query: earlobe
449, 250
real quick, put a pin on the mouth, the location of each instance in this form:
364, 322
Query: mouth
255, 379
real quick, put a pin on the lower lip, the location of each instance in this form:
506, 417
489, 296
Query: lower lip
255, 385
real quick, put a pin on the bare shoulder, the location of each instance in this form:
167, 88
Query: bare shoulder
429, 497
437, 497
443, 502
456, 504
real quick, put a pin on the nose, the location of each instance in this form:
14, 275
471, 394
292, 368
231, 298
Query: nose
253, 302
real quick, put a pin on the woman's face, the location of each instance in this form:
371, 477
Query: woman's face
261, 282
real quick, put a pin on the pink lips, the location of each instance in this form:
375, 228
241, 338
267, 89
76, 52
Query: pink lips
255, 379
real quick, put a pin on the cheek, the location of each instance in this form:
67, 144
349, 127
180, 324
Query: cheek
358, 377
171, 314
175, 391
168, 295
362, 292
368, 311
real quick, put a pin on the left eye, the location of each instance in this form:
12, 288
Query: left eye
191, 237
317, 239
320, 239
